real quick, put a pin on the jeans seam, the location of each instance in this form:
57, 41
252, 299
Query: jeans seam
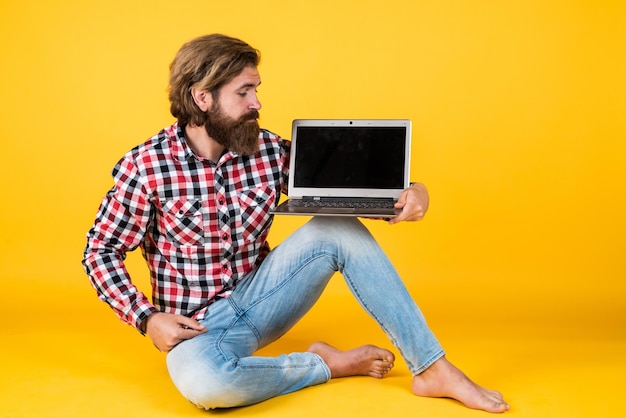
283, 283
241, 313
387, 331
220, 338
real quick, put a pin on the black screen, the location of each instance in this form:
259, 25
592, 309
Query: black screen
350, 157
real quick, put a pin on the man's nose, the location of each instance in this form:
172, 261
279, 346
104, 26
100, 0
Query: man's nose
255, 104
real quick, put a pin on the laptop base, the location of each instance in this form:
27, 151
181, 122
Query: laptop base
287, 208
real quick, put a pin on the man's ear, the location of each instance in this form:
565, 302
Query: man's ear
202, 98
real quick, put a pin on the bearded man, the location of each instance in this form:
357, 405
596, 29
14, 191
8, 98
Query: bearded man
196, 198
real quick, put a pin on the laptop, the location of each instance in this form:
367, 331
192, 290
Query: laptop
347, 167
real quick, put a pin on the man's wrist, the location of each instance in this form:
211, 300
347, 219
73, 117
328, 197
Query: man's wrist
142, 326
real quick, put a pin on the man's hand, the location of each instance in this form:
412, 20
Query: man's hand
413, 202
168, 330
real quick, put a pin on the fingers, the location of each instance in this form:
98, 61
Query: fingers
400, 204
187, 334
413, 203
400, 218
168, 330
188, 328
190, 323
167, 342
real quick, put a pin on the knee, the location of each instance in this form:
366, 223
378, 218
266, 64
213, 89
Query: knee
208, 389
209, 397
347, 233
331, 227
201, 380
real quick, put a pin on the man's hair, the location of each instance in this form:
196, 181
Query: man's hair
208, 63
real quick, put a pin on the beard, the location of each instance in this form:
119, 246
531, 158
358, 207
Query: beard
237, 135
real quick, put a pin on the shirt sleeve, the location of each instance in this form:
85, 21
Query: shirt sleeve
119, 227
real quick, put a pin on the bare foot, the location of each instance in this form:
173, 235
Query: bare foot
367, 360
443, 380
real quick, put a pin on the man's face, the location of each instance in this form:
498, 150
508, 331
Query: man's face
232, 118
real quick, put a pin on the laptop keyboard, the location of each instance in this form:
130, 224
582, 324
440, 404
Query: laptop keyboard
344, 203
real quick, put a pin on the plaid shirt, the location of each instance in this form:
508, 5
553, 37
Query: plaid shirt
201, 226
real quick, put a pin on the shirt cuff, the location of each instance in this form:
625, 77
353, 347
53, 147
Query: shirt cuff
139, 313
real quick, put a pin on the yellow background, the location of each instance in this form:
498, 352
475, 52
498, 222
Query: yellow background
519, 131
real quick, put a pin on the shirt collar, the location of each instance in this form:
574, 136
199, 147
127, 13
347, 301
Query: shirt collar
180, 148
183, 152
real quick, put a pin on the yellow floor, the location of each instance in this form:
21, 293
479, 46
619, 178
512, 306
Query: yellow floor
79, 361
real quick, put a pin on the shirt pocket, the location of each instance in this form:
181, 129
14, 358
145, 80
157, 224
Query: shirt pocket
254, 206
183, 221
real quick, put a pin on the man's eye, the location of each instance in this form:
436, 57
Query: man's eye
245, 93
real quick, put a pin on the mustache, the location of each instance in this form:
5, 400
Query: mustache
251, 115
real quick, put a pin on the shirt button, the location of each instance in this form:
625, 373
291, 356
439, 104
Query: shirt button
221, 201
224, 267
225, 237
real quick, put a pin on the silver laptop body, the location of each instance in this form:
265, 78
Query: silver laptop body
347, 167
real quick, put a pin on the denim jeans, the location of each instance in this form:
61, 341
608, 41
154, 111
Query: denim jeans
217, 369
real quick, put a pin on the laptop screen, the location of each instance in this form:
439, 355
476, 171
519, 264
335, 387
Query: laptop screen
352, 156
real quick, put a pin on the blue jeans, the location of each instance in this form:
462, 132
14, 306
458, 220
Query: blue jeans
217, 369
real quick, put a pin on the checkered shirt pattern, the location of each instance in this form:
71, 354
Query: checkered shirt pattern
201, 226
